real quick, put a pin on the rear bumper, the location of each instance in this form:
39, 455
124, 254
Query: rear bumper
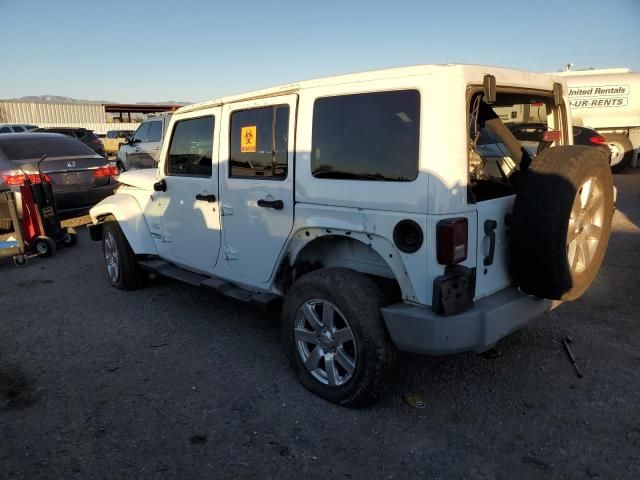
419, 330
82, 199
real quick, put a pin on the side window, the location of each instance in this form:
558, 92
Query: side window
190, 152
369, 136
141, 134
259, 143
18, 129
5, 130
155, 131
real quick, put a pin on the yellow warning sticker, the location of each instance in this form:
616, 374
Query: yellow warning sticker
248, 139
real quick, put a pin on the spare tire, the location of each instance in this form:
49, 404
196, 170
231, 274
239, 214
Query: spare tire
561, 222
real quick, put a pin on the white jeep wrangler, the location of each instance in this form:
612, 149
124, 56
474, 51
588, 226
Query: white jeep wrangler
389, 210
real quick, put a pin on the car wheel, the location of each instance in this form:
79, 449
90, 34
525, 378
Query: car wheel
336, 341
70, 237
44, 246
561, 222
621, 151
122, 269
20, 260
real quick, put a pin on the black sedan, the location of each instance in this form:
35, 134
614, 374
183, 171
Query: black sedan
87, 137
80, 178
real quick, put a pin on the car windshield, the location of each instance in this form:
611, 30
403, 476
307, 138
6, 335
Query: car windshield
26, 148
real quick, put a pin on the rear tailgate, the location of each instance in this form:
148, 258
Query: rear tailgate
492, 274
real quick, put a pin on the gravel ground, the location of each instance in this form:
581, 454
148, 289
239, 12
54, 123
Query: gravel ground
176, 382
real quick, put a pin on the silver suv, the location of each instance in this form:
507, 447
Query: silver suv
143, 148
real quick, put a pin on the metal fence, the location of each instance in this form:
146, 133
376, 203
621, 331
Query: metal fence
81, 115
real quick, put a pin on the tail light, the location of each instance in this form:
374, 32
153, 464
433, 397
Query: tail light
95, 141
106, 171
598, 140
17, 178
451, 239
552, 136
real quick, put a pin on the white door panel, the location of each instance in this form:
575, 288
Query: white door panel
257, 209
189, 207
492, 274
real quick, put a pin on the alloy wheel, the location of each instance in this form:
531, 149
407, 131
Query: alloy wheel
325, 342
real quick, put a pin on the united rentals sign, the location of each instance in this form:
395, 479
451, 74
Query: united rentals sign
599, 96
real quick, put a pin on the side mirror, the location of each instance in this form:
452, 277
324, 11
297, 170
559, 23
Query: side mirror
489, 85
160, 186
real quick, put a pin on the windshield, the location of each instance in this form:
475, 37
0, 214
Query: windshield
35, 146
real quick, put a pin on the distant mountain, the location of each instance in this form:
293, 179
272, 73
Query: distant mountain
59, 99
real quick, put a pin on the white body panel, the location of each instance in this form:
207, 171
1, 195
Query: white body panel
128, 211
253, 235
191, 230
357, 216
495, 276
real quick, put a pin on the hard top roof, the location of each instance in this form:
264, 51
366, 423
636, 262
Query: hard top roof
388, 73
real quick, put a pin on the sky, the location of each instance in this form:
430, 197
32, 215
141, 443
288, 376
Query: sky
192, 50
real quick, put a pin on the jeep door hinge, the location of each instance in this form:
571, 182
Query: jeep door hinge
226, 209
230, 254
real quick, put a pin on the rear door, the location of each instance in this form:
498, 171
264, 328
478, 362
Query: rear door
257, 183
150, 148
133, 153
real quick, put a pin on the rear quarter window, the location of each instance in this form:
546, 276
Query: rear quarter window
369, 136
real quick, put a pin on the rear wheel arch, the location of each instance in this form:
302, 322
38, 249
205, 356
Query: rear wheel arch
372, 255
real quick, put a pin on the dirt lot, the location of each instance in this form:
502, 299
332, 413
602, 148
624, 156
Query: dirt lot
176, 382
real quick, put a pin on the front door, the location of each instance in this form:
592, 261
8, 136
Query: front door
189, 207
256, 184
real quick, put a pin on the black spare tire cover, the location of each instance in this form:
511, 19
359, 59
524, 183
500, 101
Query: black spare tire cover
561, 222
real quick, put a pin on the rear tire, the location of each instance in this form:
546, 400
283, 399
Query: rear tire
123, 271
561, 222
335, 337
621, 151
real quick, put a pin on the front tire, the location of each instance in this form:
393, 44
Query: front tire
122, 269
335, 336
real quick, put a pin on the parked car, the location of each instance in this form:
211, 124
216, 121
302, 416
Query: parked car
531, 135
16, 127
87, 137
358, 203
80, 177
114, 140
143, 148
